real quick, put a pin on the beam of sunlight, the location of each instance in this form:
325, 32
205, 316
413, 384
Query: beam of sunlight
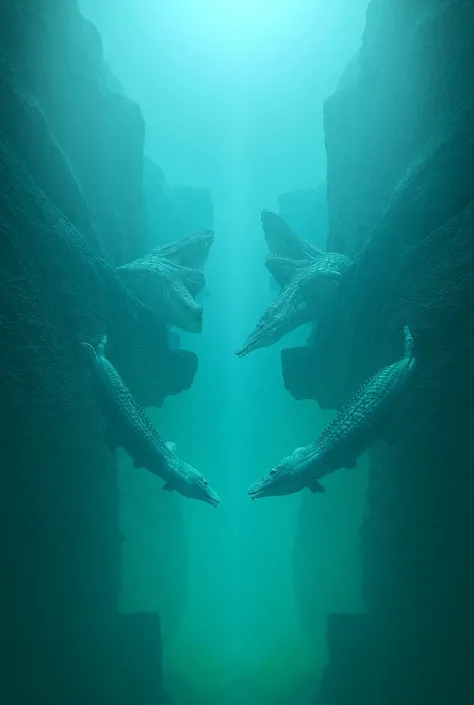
233, 26
232, 93
242, 18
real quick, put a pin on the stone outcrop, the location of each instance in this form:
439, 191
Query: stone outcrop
141, 650
56, 56
71, 210
399, 135
306, 211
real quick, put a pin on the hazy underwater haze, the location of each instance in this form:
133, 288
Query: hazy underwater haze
236, 291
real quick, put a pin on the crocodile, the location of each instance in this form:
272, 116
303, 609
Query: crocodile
166, 288
309, 290
193, 279
168, 279
129, 428
367, 418
284, 269
190, 251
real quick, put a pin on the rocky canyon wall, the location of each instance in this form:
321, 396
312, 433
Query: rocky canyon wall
399, 135
71, 209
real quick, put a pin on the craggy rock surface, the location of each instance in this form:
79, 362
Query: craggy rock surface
94, 134
400, 143
90, 169
71, 210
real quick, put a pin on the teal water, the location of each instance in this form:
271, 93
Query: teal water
242, 636
232, 94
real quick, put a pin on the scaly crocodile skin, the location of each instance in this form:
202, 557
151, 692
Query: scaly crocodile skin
282, 241
167, 279
164, 287
298, 301
361, 422
191, 251
129, 427
284, 269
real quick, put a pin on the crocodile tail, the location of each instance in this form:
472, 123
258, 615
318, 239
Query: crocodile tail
101, 345
90, 351
95, 352
408, 343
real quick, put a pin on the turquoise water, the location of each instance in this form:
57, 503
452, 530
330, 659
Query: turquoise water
239, 625
232, 95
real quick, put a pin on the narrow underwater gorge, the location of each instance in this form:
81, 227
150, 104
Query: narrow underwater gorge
79, 199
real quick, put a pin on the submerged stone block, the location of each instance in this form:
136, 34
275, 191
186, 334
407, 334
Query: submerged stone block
142, 655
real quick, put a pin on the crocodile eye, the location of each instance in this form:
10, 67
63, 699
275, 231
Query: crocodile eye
205, 481
273, 472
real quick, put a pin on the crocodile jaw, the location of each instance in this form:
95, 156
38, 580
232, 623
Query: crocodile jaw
204, 494
255, 494
270, 329
212, 498
188, 318
188, 482
253, 343
160, 287
261, 488
278, 482
287, 312
288, 477
190, 251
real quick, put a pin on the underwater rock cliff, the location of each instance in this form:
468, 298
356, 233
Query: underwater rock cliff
71, 210
96, 133
399, 136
